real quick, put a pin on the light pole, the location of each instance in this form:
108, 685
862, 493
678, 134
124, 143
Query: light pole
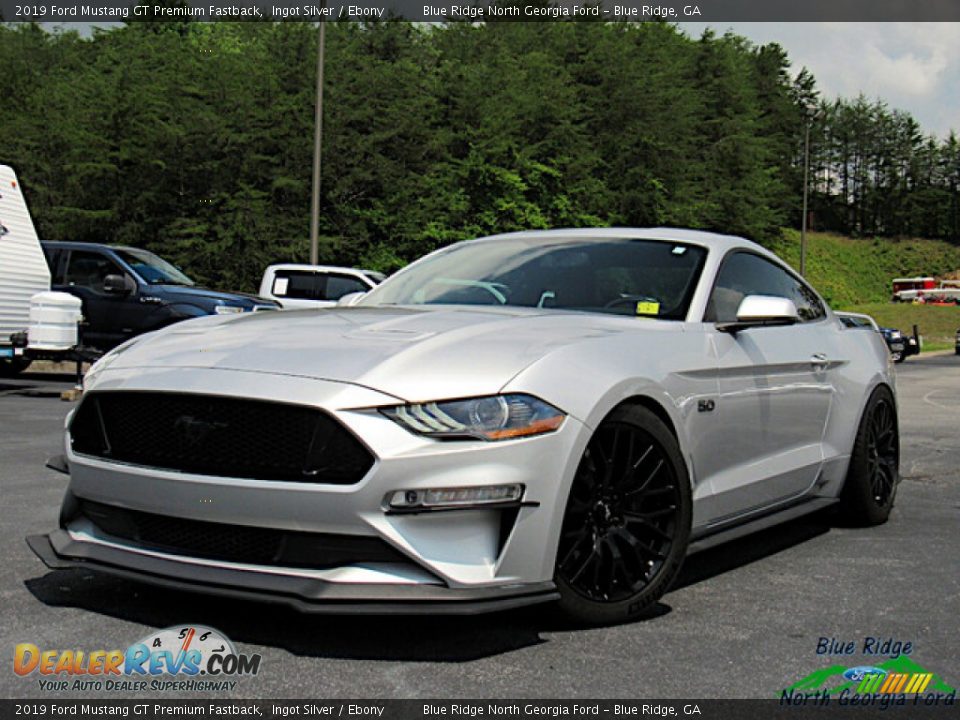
317, 142
810, 115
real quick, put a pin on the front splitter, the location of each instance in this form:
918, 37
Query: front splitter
309, 595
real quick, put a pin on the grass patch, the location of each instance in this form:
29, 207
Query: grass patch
854, 274
855, 271
935, 346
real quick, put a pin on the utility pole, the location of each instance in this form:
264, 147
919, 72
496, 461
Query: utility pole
803, 220
811, 114
317, 146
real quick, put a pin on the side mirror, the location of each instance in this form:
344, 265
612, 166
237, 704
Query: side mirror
350, 299
762, 311
116, 285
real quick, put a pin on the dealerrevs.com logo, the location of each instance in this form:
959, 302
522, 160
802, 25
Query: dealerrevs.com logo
180, 658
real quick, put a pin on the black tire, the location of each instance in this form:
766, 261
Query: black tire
13, 366
899, 357
627, 522
871, 485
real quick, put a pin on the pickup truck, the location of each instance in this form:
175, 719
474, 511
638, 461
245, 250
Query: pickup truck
297, 286
127, 291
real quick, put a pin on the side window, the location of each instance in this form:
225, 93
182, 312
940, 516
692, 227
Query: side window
296, 284
340, 285
305, 285
745, 274
88, 270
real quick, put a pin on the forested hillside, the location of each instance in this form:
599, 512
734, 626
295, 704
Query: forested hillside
195, 140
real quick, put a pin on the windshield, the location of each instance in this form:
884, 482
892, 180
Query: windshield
154, 270
611, 275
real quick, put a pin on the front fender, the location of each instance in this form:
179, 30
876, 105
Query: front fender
674, 368
173, 313
183, 311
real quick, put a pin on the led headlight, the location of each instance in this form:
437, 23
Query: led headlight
495, 417
227, 309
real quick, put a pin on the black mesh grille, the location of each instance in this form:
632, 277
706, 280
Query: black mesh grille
209, 435
237, 543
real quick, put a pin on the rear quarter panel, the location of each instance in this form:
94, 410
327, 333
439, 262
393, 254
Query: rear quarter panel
864, 365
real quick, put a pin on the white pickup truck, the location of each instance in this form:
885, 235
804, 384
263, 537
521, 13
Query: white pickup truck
297, 286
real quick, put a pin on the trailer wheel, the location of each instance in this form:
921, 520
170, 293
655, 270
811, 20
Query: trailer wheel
13, 366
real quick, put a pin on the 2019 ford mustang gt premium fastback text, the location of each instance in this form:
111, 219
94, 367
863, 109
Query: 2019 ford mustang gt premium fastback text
536, 416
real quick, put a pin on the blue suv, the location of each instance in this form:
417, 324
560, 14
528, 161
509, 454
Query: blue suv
127, 291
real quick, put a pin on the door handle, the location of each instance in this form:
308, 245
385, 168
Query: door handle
819, 362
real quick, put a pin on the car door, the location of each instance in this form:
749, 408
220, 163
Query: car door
110, 317
775, 390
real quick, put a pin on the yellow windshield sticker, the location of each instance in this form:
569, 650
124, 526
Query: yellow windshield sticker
648, 307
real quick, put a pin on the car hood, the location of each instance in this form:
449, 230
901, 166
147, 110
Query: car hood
412, 354
187, 292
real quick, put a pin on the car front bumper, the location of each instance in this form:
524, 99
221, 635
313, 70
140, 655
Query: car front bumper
469, 560
59, 550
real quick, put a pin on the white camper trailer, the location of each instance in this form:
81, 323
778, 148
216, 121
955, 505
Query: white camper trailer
23, 269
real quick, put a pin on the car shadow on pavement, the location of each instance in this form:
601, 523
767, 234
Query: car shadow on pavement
389, 637
717, 560
373, 637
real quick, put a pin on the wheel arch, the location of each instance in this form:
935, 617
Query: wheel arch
873, 391
659, 409
657, 399
654, 406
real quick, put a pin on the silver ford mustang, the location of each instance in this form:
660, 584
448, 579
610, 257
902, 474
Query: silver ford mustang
538, 416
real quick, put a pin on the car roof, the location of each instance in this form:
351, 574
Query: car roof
87, 245
316, 268
841, 313
714, 241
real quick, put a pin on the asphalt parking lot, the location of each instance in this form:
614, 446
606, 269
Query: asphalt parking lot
744, 621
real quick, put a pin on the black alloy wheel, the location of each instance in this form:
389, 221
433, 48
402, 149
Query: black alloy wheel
871, 485
882, 451
627, 521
